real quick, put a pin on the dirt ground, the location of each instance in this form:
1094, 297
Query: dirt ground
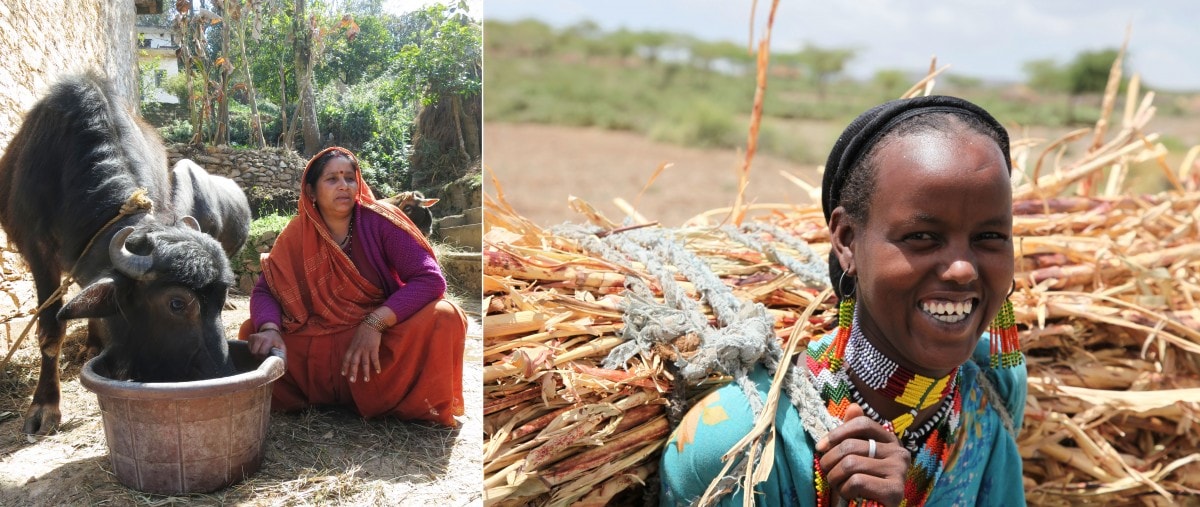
317, 457
539, 166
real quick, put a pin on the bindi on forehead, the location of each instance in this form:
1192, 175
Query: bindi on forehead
338, 166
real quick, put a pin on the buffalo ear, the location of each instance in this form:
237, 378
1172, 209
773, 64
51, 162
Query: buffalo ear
99, 299
191, 222
425, 203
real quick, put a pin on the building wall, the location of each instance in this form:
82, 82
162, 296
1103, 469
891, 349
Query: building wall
43, 40
156, 63
160, 62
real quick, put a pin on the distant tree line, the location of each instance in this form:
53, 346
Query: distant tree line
819, 67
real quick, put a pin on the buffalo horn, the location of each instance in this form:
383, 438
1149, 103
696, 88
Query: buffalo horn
128, 263
191, 222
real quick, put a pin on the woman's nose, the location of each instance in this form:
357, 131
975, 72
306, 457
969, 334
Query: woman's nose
961, 271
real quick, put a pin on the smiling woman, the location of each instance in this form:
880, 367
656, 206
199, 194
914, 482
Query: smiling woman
922, 369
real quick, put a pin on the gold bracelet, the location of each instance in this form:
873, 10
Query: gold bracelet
376, 323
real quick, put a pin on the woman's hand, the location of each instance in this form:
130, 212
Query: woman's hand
263, 341
849, 468
363, 353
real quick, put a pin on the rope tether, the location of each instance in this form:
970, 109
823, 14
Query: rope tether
138, 202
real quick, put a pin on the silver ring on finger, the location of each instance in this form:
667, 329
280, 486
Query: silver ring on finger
871, 448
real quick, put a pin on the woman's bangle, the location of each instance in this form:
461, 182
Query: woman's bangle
376, 323
272, 328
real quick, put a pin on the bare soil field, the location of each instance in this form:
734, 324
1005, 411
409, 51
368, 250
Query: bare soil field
539, 166
315, 457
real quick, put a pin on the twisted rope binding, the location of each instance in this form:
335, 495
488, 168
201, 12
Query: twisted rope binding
746, 333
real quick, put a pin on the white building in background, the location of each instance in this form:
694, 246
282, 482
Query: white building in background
157, 62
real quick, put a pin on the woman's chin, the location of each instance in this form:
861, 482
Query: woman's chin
951, 343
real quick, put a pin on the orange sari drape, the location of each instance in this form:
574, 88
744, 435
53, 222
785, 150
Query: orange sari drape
324, 299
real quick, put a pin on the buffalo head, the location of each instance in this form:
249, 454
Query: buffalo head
416, 206
159, 307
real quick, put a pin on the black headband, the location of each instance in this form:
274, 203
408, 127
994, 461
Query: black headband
867, 130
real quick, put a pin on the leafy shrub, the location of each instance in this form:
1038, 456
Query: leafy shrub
178, 131
704, 124
373, 120
246, 260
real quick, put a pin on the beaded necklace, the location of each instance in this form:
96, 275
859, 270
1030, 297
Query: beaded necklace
905, 387
833, 382
345, 243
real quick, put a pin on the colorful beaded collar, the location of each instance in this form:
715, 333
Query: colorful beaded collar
828, 366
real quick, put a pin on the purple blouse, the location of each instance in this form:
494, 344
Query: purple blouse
384, 254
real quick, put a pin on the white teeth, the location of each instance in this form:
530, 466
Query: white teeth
950, 318
948, 311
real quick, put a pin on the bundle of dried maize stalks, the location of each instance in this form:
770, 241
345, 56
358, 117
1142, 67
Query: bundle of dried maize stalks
1106, 299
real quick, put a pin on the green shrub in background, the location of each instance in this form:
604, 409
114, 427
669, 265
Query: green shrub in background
371, 119
263, 232
178, 131
703, 124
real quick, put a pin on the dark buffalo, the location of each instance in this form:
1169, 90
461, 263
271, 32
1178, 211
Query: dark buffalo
217, 203
416, 206
153, 286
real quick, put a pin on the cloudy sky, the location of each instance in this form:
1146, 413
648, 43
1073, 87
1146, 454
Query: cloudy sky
979, 38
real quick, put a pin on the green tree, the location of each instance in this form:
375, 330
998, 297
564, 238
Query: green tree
1088, 72
443, 62
653, 43
240, 16
824, 64
223, 67
891, 82
303, 48
365, 56
358, 8
1045, 75
962, 82
624, 43
1085, 74
523, 38
736, 57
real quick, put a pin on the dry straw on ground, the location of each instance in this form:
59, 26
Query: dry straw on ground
1106, 299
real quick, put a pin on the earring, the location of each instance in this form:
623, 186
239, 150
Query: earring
841, 290
1005, 345
845, 322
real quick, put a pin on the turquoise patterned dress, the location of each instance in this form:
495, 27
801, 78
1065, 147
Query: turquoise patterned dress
984, 468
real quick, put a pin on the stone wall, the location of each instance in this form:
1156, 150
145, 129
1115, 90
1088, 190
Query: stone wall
43, 40
272, 168
270, 177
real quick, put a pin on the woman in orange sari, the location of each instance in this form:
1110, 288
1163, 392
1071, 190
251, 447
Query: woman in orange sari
352, 293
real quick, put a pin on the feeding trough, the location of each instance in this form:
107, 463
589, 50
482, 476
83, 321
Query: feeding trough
187, 437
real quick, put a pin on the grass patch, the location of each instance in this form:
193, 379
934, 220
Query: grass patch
263, 231
269, 223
